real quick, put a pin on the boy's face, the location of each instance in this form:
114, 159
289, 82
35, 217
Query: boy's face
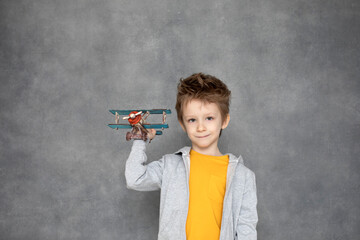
203, 123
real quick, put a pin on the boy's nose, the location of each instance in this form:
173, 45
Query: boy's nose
200, 127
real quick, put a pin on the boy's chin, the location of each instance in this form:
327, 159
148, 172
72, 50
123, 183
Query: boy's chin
202, 146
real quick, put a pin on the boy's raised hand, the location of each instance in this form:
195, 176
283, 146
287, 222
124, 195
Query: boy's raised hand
151, 134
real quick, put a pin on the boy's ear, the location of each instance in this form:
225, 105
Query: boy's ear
226, 122
182, 126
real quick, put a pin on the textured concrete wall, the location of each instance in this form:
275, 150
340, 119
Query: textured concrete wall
293, 68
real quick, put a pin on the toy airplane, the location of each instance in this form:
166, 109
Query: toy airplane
137, 122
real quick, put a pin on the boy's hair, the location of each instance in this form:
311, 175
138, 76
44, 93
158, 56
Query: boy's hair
204, 87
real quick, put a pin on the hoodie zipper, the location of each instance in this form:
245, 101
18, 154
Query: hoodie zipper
230, 174
187, 170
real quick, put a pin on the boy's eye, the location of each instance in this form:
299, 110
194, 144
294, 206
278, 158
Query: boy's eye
191, 120
209, 118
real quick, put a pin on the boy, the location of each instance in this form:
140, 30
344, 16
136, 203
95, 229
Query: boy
205, 195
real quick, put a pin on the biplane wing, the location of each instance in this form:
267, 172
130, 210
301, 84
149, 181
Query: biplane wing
151, 111
147, 126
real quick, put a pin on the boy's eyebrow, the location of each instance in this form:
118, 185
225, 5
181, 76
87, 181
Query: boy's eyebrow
194, 115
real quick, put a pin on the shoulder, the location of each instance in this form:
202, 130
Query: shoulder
176, 156
242, 170
245, 170
172, 157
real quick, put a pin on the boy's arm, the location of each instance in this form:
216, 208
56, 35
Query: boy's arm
140, 176
246, 225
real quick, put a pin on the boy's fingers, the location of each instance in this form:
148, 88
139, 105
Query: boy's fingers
152, 133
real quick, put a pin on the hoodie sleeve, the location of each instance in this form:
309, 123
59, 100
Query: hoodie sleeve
246, 225
139, 175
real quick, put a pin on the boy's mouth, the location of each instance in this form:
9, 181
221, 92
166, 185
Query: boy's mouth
203, 136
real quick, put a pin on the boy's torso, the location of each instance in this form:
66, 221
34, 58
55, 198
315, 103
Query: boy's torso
174, 200
207, 185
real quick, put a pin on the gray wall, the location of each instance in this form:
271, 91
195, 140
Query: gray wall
293, 68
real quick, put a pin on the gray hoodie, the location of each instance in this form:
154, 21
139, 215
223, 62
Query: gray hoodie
171, 175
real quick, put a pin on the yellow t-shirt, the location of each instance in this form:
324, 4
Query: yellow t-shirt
207, 186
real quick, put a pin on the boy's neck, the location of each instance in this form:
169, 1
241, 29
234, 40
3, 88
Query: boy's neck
208, 151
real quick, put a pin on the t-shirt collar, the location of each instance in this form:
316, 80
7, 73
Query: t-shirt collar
232, 158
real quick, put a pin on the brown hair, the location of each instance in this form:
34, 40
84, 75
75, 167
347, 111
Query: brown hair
204, 87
